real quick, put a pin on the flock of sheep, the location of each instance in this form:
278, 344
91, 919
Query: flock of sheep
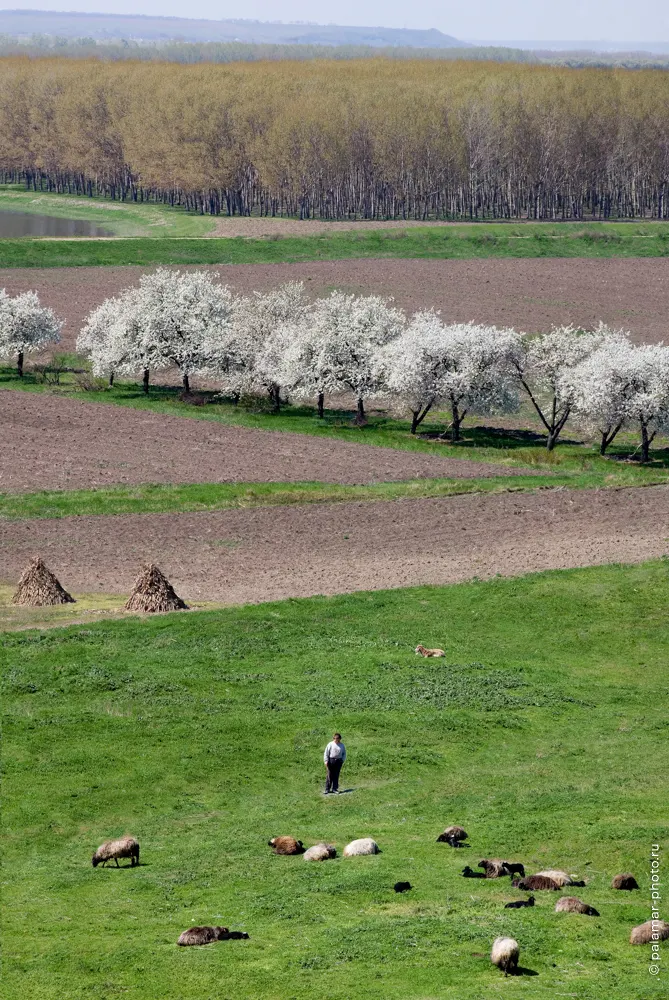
505, 950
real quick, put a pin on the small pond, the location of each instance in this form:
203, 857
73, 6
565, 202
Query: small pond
13, 224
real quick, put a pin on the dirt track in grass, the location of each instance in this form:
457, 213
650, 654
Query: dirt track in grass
530, 294
268, 554
50, 442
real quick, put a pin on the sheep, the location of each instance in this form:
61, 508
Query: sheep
402, 886
112, 850
534, 883
205, 935
504, 954
452, 835
286, 845
518, 904
560, 877
572, 904
363, 846
422, 651
652, 930
494, 868
624, 881
320, 852
468, 872
515, 868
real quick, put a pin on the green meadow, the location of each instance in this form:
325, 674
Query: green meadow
543, 731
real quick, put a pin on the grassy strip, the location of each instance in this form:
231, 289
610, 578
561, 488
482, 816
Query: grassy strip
203, 733
480, 241
162, 499
125, 219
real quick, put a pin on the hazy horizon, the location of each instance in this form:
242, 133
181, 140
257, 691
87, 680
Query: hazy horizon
626, 22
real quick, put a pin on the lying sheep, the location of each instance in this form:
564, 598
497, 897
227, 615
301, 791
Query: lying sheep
468, 872
504, 954
452, 835
572, 904
494, 868
363, 846
652, 930
286, 845
402, 886
112, 850
422, 651
320, 852
534, 883
560, 877
205, 935
518, 904
624, 881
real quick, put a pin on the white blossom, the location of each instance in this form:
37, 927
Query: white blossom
25, 326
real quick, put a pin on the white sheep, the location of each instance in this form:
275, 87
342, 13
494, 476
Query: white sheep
112, 850
504, 954
320, 852
363, 846
559, 877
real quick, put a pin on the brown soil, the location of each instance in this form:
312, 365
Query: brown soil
51, 442
530, 294
267, 554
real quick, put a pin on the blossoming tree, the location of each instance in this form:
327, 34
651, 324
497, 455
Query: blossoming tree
25, 326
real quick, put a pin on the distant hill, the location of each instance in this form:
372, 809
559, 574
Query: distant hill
24, 23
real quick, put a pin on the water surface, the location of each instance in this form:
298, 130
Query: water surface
13, 224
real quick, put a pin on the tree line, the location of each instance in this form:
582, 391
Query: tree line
371, 139
281, 343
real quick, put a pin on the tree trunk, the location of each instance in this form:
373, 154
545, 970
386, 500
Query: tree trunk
418, 416
607, 437
646, 441
186, 383
145, 380
19, 365
360, 417
457, 419
321, 405
414, 420
111, 379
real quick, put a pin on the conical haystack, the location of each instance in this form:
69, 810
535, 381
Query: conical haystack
39, 587
153, 592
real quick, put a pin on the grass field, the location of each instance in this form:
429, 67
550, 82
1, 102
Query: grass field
202, 734
129, 219
451, 242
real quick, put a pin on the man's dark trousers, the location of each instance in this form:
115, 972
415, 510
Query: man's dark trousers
332, 781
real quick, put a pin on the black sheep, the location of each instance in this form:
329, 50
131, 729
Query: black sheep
519, 904
402, 886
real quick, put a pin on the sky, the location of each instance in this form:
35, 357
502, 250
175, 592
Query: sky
503, 20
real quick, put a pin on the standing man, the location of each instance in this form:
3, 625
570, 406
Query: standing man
334, 757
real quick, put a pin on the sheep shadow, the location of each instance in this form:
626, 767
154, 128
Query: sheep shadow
520, 971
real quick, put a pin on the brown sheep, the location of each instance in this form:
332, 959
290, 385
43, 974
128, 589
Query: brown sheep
572, 904
494, 868
624, 881
112, 850
202, 935
652, 930
534, 883
452, 835
286, 845
422, 651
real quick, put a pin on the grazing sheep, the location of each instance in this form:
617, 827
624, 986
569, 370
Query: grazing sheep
452, 835
652, 930
515, 868
363, 846
624, 881
286, 845
320, 852
468, 872
402, 886
518, 904
504, 954
112, 850
572, 904
422, 651
202, 935
534, 883
560, 877
494, 868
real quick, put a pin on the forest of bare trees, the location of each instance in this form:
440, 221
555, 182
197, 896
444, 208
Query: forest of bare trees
373, 138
